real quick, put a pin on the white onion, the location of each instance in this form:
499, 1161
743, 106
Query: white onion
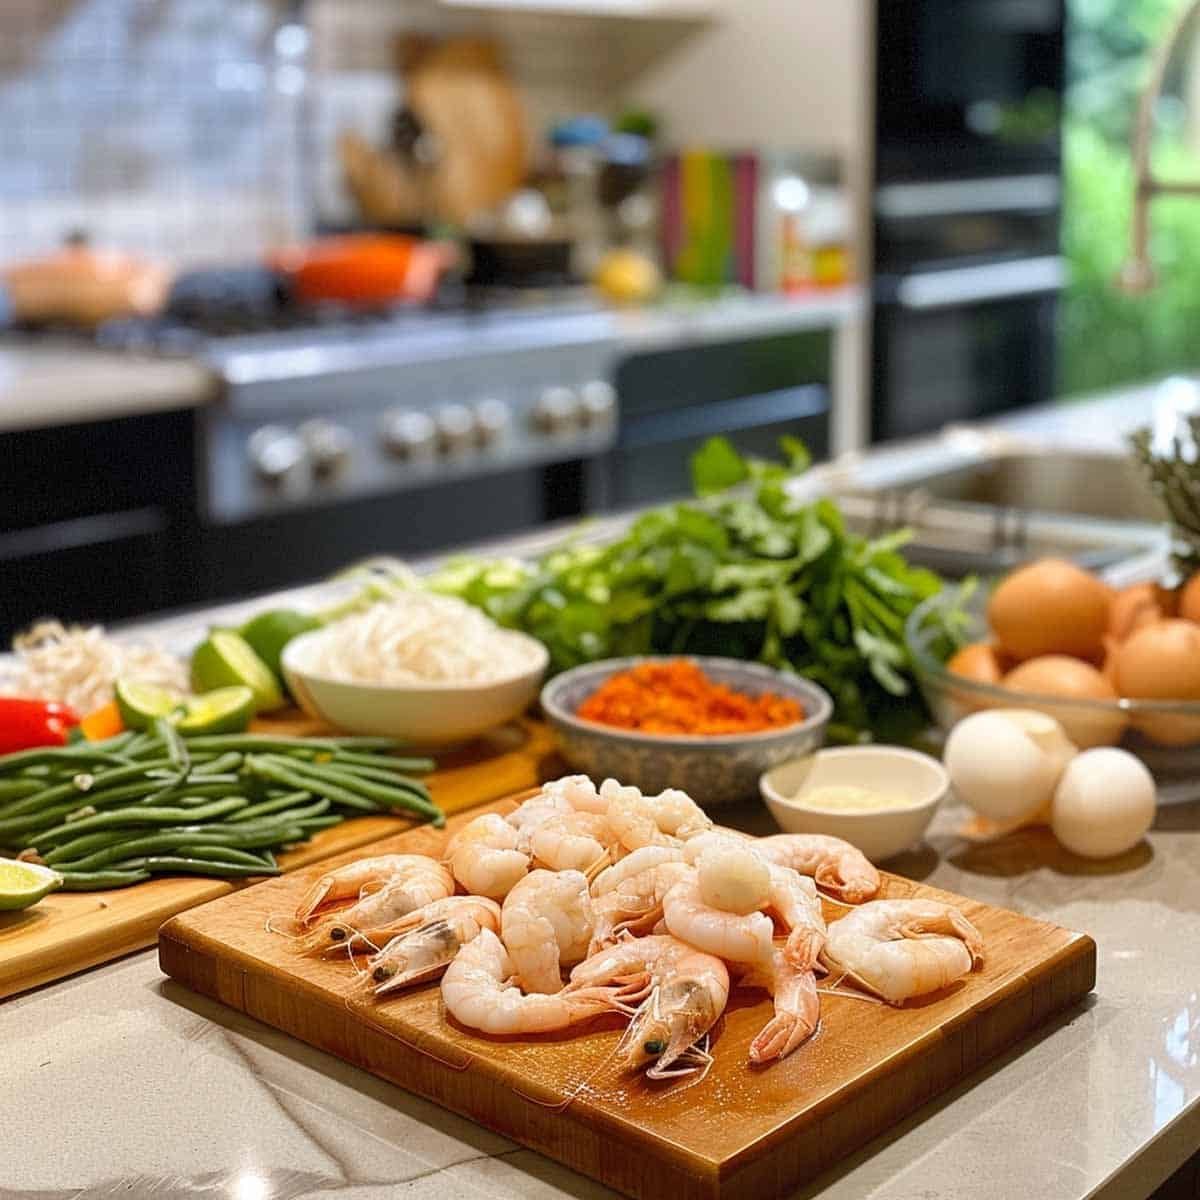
1104, 803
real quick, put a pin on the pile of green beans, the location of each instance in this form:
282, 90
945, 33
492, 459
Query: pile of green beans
110, 813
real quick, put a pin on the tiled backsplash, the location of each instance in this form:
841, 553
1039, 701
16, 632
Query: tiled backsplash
180, 127
168, 126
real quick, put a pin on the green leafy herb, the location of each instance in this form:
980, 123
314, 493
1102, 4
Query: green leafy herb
748, 573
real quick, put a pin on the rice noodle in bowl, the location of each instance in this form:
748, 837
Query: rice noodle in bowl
420, 637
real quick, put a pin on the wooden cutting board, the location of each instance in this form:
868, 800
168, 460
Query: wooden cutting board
67, 932
740, 1132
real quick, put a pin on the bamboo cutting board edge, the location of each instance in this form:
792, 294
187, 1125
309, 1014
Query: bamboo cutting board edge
72, 931
798, 1148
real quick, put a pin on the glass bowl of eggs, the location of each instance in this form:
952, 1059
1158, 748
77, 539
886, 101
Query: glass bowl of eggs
1112, 666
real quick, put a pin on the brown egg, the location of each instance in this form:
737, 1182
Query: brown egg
1072, 679
978, 661
1162, 662
1189, 599
1050, 607
1133, 607
1108, 666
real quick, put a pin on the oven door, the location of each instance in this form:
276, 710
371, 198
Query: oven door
963, 344
967, 86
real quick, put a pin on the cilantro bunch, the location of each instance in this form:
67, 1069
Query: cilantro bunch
743, 571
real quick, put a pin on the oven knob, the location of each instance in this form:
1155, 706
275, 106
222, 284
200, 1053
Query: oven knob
492, 419
277, 454
329, 445
598, 402
407, 433
556, 410
455, 428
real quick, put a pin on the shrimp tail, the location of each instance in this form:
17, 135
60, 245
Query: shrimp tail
791, 1026
803, 948
949, 924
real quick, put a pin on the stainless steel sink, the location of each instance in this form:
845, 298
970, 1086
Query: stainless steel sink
1092, 485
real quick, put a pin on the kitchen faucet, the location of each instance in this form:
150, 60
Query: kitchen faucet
1137, 275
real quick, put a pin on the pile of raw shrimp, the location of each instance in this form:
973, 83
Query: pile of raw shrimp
646, 909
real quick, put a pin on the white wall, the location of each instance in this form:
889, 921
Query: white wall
767, 73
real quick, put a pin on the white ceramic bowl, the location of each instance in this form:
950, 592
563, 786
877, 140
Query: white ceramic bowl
891, 770
421, 714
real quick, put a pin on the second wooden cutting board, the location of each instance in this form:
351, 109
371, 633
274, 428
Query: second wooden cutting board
67, 932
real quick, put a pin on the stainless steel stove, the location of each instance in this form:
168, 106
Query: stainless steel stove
331, 414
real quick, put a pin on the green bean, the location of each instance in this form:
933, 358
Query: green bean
289, 775
262, 742
104, 848
170, 737
314, 824
81, 755
386, 762
228, 854
61, 791
14, 789
179, 865
217, 764
25, 823
205, 797
91, 881
139, 815
376, 775
275, 804
401, 794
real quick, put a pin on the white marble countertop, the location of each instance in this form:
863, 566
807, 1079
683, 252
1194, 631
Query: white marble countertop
60, 383
121, 1082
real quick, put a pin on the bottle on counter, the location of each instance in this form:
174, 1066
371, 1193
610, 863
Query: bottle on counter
803, 225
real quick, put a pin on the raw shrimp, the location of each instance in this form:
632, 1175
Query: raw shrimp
737, 937
636, 905
352, 880
797, 1008
732, 875
572, 841
833, 863
903, 948
538, 808
795, 901
667, 819
546, 923
422, 882
485, 858
634, 863
477, 993
579, 792
434, 935
684, 990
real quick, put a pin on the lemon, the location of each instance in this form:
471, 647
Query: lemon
225, 659
24, 884
140, 704
227, 710
627, 277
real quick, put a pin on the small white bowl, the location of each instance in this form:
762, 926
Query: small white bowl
422, 714
891, 770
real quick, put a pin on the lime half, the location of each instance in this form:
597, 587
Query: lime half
269, 632
141, 704
23, 884
226, 659
227, 710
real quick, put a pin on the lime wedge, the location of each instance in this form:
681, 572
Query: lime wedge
225, 659
227, 710
24, 884
141, 704
269, 632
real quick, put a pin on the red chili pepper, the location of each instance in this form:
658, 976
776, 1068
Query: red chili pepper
27, 724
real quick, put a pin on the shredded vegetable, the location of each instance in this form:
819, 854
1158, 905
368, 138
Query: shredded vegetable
677, 697
79, 666
420, 637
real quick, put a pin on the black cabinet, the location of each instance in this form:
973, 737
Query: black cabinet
97, 521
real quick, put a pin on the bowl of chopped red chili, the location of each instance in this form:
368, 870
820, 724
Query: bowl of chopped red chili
710, 726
